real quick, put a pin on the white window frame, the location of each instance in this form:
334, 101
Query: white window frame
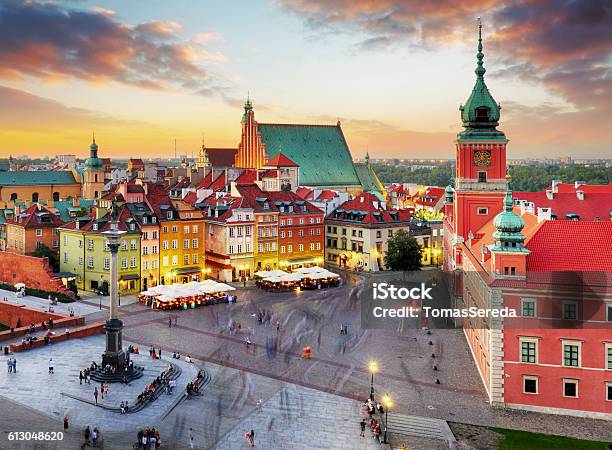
39, 232
533, 340
535, 306
608, 356
608, 386
565, 342
609, 312
536, 379
571, 380
482, 211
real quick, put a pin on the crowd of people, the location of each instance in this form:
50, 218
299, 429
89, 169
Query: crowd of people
148, 439
371, 408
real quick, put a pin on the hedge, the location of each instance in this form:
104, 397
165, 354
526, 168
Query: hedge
39, 293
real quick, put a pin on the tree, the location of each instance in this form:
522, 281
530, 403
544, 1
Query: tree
404, 253
42, 251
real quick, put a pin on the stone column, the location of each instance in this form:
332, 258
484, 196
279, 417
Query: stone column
113, 244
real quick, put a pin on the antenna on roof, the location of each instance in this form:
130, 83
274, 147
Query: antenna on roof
174, 148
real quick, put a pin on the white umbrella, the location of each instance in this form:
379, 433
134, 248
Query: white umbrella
20, 285
277, 273
273, 279
262, 273
292, 277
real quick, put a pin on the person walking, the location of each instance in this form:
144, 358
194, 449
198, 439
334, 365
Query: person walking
159, 354
169, 322
96, 394
252, 440
9, 365
14, 365
87, 435
191, 439
51, 365
363, 426
81, 377
94, 437
65, 422
122, 407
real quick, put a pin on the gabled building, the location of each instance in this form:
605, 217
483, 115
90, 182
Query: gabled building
84, 251
230, 222
357, 232
32, 228
321, 151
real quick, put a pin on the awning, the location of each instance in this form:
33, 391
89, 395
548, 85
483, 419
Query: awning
129, 276
186, 270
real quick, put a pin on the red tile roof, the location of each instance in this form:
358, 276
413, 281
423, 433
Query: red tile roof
219, 183
191, 198
280, 160
206, 181
248, 176
305, 193
326, 195
32, 217
372, 211
429, 197
569, 245
252, 192
597, 201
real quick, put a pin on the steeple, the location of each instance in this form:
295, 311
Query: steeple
247, 107
93, 162
481, 112
508, 225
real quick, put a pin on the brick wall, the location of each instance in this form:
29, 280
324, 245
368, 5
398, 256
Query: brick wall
34, 272
10, 313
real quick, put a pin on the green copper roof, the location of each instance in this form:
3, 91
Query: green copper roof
320, 151
448, 195
36, 178
508, 235
480, 114
64, 207
93, 162
368, 178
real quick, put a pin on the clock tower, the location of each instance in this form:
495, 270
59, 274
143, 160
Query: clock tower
480, 178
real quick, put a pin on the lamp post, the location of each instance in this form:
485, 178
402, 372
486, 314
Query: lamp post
373, 366
387, 403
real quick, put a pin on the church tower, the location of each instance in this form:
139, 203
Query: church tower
251, 150
93, 175
202, 157
480, 178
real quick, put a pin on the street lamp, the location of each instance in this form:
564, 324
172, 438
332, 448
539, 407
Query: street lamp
373, 366
387, 403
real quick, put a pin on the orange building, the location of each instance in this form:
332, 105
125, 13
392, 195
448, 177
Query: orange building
32, 228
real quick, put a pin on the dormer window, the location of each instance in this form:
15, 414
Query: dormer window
169, 214
95, 227
482, 114
132, 227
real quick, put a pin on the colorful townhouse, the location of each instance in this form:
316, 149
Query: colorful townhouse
230, 222
181, 236
32, 228
84, 251
149, 243
552, 271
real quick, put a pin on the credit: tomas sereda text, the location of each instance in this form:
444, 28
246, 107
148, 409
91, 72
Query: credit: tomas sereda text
425, 301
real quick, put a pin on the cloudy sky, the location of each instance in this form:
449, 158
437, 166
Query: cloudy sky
142, 74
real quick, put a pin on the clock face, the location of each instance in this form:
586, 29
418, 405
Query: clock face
482, 158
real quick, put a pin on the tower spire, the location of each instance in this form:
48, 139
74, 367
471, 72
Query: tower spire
480, 70
93, 137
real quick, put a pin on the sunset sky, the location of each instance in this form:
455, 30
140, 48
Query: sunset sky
141, 74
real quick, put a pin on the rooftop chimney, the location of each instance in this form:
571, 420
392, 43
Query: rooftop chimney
578, 183
549, 194
555, 185
580, 195
544, 214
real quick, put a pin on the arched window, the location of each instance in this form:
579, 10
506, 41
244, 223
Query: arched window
14, 196
34, 197
56, 196
95, 177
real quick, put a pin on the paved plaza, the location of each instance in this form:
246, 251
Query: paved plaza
268, 386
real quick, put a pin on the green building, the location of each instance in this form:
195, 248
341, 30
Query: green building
84, 252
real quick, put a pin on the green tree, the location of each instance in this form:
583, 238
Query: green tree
42, 251
404, 253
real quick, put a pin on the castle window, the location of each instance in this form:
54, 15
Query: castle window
530, 385
483, 211
13, 196
482, 177
482, 114
34, 197
56, 196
